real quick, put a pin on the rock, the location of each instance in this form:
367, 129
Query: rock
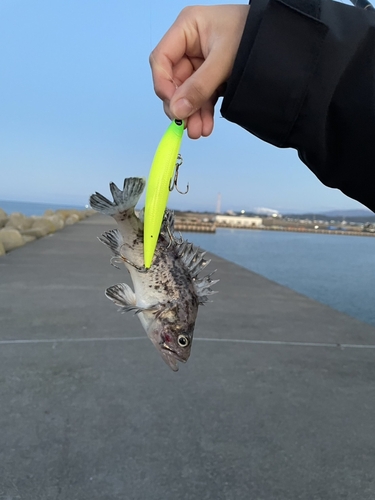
52, 222
81, 214
88, 212
72, 212
11, 238
41, 227
63, 213
3, 218
57, 221
27, 238
19, 221
44, 222
72, 219
49, 212
2, 249
35, 232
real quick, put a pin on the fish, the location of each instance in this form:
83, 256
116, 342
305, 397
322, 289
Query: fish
167, 295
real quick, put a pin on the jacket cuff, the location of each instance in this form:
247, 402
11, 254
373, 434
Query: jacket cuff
277, 57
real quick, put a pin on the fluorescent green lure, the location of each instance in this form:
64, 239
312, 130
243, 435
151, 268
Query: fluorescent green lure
159, 185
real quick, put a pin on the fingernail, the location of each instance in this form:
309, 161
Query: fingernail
182, 108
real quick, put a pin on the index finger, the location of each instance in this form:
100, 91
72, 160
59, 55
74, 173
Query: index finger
167, 54
164, 85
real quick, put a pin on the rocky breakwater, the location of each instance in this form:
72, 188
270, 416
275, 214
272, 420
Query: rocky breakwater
17, 229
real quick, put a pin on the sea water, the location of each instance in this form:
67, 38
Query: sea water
336, 270
30, 208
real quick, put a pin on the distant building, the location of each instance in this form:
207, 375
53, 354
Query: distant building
238, 221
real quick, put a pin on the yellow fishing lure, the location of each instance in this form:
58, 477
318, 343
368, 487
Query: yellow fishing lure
159, 185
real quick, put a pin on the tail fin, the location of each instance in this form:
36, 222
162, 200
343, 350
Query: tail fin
122, 200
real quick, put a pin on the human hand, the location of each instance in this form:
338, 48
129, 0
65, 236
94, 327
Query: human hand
193, 61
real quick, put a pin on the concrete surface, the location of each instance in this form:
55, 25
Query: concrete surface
89, 411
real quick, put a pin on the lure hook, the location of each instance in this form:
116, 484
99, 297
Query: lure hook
173, 239
125, 259
115, 260
174, 182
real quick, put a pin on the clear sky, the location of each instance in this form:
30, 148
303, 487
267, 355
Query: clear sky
77, 110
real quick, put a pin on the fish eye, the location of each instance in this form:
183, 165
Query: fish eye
183, 341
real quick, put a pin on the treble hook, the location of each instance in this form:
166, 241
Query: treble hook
173, 239
173, 183
125, 259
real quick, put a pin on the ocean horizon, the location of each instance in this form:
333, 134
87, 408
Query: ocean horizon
32, 208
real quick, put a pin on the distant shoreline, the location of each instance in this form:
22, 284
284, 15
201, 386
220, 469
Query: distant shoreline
200, 228
305, 230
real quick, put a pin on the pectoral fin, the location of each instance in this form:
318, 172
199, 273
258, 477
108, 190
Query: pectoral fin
114, 240
124, 297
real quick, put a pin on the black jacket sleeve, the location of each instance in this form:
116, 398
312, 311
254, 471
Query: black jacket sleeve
304, 77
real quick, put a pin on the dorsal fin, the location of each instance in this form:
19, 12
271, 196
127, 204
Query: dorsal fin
202, 287
193, 258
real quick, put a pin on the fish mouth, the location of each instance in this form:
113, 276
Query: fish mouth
170, 356
172, 352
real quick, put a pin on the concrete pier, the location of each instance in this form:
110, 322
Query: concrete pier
277, 401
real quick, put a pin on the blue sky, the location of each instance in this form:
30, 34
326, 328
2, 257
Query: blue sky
77, 110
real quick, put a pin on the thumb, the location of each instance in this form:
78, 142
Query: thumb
199, 87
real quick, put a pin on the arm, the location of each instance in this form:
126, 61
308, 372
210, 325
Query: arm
306, 79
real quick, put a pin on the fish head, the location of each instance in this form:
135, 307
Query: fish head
173, 341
